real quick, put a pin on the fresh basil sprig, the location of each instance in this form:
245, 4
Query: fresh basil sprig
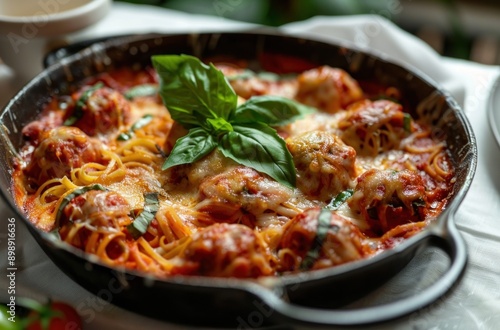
199, 97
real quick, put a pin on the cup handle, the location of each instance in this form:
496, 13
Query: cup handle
25, 58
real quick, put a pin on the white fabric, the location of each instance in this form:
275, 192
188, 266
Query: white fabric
473, 304
376, 34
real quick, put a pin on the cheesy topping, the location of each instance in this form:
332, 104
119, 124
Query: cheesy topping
216, 217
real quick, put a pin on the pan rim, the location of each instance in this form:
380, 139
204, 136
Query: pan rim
247, 284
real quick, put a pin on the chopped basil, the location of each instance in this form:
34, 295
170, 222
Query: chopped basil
160, 151
80, 103
146, 119
324, 220
336, 202
245, 74
385, 97
140, 225
417, 204
124, 136
75, 193
407, 122
263, 75
269, 76
200, 98
141, 90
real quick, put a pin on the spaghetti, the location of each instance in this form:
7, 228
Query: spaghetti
215, 217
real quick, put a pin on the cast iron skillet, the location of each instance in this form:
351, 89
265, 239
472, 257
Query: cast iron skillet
312, 298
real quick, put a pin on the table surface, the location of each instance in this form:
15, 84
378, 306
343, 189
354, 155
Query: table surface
474, 303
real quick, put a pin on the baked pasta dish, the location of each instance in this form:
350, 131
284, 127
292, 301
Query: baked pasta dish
186, 168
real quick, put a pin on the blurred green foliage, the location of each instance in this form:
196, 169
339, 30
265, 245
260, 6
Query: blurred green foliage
278, 12
269, 12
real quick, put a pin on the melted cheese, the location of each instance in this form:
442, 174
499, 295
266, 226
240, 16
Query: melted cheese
215, 208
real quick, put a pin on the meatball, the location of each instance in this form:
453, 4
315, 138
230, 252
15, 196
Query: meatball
328, 89
34, 131
389, 198
99, 112
60, 150
98, 208
342, 243
372, 127
325, 165
93, 218
247, 83
241, 194
226, 250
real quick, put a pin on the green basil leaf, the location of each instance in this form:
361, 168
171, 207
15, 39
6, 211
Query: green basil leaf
80, 103
146, 119
124, 136
336, 202
141, 90
262, 75
193, 91
259, 146
140, 225
419, 202
243, 75
324, 219
219, 126
268, 76
407, 122
385, 97
75, 193
271, 110
191, 147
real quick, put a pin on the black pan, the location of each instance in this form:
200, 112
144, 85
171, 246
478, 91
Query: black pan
312, 298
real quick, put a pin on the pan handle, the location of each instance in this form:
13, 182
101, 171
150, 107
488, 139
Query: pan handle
446, 238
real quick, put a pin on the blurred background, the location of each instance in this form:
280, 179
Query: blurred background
466, 29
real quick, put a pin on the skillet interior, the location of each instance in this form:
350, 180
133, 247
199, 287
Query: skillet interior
201, 300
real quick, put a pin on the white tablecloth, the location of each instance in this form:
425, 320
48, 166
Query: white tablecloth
473, 304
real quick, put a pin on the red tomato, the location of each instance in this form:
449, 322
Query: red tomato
55, 316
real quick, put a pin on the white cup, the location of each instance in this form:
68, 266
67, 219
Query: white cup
30, 28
